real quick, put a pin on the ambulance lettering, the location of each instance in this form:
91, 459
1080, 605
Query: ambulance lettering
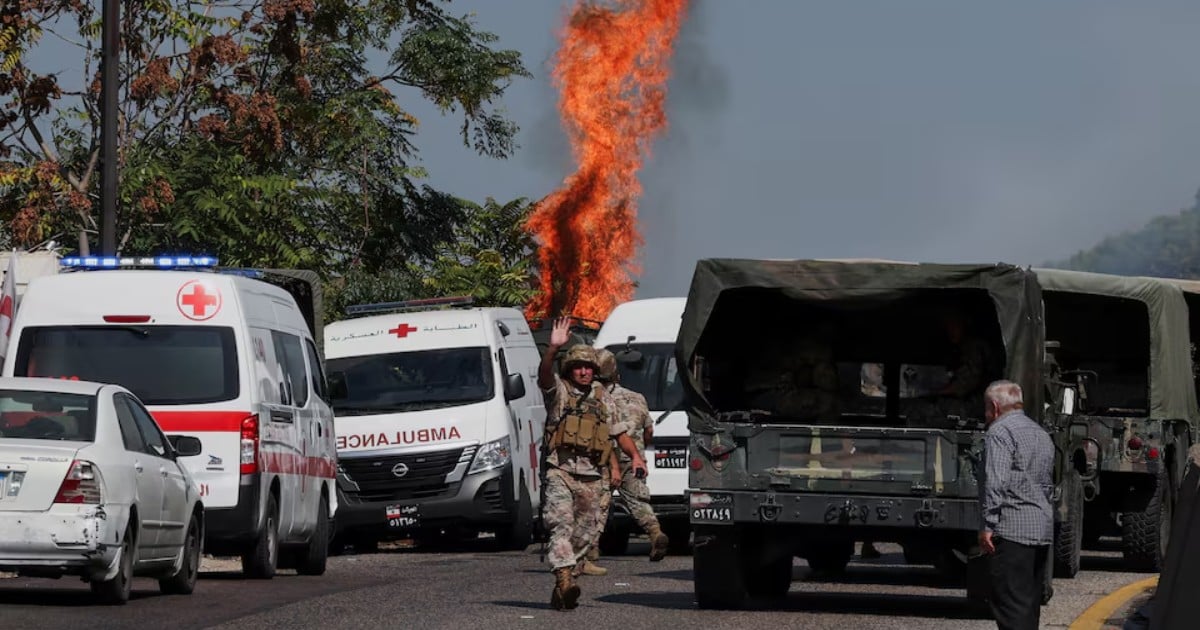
398, 438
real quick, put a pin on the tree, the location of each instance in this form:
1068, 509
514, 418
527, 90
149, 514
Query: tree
260, 130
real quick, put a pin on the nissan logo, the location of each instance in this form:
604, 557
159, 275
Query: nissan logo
400, 469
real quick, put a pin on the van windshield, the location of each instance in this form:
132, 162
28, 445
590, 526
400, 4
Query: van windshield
161, 365
654, 376
410, 381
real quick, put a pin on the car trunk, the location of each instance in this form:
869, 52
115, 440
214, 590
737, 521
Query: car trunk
31, 472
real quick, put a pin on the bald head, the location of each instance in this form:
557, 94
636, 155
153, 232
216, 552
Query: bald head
1000, 398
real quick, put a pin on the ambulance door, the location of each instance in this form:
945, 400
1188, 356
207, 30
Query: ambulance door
522, 432
323, 454
299, 426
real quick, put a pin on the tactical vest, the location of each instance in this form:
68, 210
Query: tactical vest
583, 430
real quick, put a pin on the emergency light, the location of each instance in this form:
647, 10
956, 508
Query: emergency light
144, 262
410, 305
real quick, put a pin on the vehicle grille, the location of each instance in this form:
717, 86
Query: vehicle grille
425, 479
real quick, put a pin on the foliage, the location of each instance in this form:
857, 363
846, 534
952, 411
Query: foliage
259, 130
1166, 247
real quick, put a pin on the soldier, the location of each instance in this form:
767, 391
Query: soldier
633, 494
801, 383
580, 426
610, 474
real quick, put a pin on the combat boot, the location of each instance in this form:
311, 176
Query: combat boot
658, 543
566, 591
587, 567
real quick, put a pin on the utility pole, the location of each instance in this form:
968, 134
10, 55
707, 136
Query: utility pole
110, 45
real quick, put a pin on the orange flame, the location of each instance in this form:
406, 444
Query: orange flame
611, 72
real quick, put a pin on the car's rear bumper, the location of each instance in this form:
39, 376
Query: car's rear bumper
66, 539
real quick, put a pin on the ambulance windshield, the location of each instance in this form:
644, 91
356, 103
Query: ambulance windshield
410, 381
161, 365
653, 374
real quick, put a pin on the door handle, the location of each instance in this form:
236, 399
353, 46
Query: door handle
281, 415
163, 472
137, 466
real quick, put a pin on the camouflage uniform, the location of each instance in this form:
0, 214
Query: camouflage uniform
574, 486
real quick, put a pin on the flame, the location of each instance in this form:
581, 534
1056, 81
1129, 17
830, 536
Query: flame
611, 71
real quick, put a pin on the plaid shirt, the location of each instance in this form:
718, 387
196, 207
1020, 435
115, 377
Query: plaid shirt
1018, 480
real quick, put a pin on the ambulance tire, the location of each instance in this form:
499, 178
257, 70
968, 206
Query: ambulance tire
519, 534
314, 556
262, 559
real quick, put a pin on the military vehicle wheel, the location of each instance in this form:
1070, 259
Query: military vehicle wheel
680, 536
719, 575
1068, 533
614, 541
831, 557
1145, 533
979, 586
772, 581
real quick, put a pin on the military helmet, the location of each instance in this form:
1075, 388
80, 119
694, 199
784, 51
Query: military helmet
606, 365
579, 353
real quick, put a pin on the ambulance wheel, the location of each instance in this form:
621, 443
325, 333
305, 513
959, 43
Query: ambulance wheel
314, 556
260, 561
614, 541
519, 534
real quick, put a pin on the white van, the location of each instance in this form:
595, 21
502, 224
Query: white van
650, 327
439, 421
226, 358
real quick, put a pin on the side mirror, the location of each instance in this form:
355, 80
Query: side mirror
337, 386
514, 387
186, 445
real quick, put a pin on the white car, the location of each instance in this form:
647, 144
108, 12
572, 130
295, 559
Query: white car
90, 486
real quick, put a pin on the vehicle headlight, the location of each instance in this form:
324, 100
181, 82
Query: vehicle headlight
492, 455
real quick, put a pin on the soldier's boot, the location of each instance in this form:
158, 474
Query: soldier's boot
566, 591
658, 543
593, 554
587, 567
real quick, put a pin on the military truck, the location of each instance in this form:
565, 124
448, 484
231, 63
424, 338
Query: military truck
814, 394
1121, 398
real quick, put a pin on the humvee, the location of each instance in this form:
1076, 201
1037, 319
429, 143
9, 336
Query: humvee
814, 398
1122, 401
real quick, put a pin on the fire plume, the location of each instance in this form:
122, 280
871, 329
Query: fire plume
611, 72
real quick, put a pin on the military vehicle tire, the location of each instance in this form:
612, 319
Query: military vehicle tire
1068, 533
832, 557
680, 535
771, 581
1145, 533
614, 541
719, 574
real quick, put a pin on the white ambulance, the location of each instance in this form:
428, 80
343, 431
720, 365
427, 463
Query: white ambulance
439, 422
226, 358
645, 331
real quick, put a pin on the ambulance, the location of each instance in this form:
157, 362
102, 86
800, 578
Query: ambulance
226, 357
641, 333
439, 422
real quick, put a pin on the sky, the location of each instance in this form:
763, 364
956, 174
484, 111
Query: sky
933, 131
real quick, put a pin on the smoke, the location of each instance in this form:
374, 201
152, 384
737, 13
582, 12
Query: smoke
698, 94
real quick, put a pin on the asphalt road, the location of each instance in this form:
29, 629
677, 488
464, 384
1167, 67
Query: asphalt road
475, 587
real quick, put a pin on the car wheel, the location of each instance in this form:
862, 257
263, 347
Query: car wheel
315, 555
262, 559
116, 591
184, 580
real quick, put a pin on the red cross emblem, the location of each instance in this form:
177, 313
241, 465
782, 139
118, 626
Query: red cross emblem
402, 330
197, 300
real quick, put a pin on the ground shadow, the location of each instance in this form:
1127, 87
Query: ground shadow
886, 604
57, 597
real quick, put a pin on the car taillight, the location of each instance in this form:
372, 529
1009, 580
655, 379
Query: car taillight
81, 485
250, 445
1135, 443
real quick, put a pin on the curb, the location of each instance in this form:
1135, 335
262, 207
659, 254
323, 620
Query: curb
1098, 614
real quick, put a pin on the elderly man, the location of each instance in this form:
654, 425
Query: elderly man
581, 422
1018, 519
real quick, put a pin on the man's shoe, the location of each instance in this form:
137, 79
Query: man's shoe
566, 592
588, 567
658, 544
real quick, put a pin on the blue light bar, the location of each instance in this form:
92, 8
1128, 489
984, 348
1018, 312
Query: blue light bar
125, 262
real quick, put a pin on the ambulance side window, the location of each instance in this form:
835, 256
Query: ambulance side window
315, 370
291, 358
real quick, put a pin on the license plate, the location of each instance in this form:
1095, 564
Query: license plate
671, 458
403, 516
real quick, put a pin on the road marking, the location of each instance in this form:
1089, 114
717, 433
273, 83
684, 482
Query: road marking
1099, 613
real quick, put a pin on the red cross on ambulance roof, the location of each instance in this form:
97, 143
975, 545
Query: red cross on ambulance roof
197, 300
402, 330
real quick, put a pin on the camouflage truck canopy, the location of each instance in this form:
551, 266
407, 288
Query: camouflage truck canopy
1172, 393
730, 298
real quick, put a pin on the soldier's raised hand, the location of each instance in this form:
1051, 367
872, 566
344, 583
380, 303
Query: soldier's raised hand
561, 333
